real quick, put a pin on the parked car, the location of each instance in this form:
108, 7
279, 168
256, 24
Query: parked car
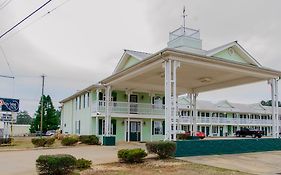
50, 132
249, 132
38, 133
199, 134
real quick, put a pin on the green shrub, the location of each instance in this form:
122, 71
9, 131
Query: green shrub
164, 149
131, 155
82, 164
6, 141
69, 141
50, 141
42, 142
61, 164
89, 139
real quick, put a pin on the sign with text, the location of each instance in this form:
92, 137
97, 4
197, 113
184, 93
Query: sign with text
9, 105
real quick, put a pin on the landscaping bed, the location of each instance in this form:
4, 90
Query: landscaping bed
154, 166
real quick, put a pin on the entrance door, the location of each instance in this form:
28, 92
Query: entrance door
135, 131
221, 131
133, 104
207, 130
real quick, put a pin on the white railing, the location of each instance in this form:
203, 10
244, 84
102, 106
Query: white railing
223, 120
130, 108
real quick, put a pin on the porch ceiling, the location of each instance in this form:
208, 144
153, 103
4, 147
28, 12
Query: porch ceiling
195, 74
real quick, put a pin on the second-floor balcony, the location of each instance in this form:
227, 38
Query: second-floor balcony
225, 120
130, 108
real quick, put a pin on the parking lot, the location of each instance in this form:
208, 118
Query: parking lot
265, 163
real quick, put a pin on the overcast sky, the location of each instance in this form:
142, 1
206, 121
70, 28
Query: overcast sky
81, 41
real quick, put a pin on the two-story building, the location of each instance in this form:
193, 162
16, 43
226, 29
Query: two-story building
143, 99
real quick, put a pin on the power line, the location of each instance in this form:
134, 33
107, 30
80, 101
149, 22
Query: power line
25, 18
5, 57
38, 19
7, 3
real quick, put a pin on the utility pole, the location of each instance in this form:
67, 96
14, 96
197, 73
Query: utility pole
42, 104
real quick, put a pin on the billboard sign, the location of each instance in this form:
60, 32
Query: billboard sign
9, 105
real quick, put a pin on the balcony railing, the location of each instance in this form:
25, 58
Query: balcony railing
223, 120
130, 108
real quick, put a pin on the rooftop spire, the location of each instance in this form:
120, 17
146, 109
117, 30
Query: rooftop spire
184, 16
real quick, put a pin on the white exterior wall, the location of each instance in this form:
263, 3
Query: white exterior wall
71, 115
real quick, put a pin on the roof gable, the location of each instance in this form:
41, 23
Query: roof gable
224, 104
129, 58
233, 52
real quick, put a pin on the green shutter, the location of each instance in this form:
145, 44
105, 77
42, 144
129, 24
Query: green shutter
114, 126
100, 126
163, 125
152, 132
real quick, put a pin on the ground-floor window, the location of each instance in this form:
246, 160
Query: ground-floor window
77, 126
158, 128
102, 127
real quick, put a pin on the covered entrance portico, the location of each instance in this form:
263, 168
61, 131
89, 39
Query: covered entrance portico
173, 72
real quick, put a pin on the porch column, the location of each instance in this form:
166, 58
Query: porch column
128, 129
274, 95
107, 110
170, 98
211, 124
194, 109
97, 125
151, 121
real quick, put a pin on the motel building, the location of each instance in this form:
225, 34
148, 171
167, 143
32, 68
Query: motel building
152, 97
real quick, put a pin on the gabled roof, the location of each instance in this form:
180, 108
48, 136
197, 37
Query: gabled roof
224, 104
139, 56
237, 49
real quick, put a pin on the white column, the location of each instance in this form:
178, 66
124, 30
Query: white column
175, 99
97, 125
274, 96
151, 129
168, 100
211, 124
195, 112
107, 111
128, 129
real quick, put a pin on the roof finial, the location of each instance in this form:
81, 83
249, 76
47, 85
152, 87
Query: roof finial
184, 16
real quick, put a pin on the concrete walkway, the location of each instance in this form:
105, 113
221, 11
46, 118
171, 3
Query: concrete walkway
266, 163
23, 162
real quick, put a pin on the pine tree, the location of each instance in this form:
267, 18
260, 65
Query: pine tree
51, 118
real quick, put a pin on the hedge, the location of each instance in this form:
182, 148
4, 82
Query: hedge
89, 139
82, 164
131, 155
69, 141
164, 149
6, 141
60, 164
42, 142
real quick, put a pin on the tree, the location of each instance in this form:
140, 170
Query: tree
24, 118
51, 118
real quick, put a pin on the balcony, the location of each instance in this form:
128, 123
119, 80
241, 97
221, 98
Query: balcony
223, 120
130, 108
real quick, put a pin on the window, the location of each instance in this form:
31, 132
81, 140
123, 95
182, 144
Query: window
88, 99
84, 100
77, 126
102, 127
76, 103
79, 102
158, 127
157, 102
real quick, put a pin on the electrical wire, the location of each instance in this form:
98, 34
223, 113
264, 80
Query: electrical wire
1, 36
3, 6
36, 20
5, 57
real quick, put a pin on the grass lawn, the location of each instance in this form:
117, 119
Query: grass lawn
24, 143
159, 167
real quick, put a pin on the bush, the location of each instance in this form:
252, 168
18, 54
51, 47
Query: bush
69, 141
61, 164
82, 164
89, 139
164, 149
50, 141
42, 142
6, 141
131, 155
